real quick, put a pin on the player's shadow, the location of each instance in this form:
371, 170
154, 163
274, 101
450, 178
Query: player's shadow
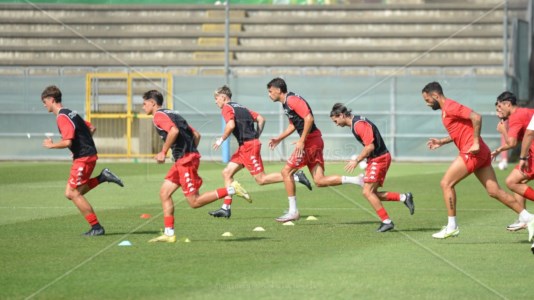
244, 239
135, 232
359, 223
422, 230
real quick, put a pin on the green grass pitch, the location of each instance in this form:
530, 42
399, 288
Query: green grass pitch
338, 256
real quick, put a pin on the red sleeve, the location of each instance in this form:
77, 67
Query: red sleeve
228, 113
456, 109
192, 129
514, 128
88, 124
517, 123
66, 127
299, 106
365, 131
163, 121
253, 114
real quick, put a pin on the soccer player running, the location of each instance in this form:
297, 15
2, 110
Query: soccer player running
308, 149
518, 121
526, 144
183, 140
502, 127
378, 161
463, 126
240, 122
77, 135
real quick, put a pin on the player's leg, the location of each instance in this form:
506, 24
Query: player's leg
518, 224
276, 177
487, 177
322, 180
165, 194
289, 182
191, 183
85, 209
369, 192
454, 174
106, 175
228, 176
250, 157
77, 186
376, 172
516, 182
196, 200
314, 157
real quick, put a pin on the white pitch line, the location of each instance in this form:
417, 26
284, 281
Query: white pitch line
437, 255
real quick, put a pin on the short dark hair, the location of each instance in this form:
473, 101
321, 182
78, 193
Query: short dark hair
52, 91
153, 94
278, 83
433, 87
507, 96
340, 109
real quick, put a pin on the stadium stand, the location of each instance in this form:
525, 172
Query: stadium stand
418, 34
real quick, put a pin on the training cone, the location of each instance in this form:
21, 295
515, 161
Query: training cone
288, 223
258, 229
145, 216
227, 234
125, 243
311, 218
187, 240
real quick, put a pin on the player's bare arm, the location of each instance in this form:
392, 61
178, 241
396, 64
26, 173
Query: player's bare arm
476, 120
352, 163
501, 128
434, 143
49, 143
274, 142
511, 142
196, 137
228, 128
299, 145
525, 146
172, 135
260, 120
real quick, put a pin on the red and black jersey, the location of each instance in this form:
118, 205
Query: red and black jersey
73, 127
296, 109
164, 120
366, 133
244, 121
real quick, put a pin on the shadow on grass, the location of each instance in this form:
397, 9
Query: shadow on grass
244, 239
135, 232
359, 223
421, 230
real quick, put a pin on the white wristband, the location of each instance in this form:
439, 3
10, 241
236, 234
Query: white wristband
354, 157
219, 141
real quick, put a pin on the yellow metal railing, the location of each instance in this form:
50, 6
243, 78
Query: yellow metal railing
125, 110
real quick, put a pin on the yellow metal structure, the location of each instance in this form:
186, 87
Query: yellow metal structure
97, 86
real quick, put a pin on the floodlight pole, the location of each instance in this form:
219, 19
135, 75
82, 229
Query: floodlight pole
226, 145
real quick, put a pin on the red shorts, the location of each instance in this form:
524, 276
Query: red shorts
249, 155
184, 173
81, 170
377, 169
313, 154
477, 161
